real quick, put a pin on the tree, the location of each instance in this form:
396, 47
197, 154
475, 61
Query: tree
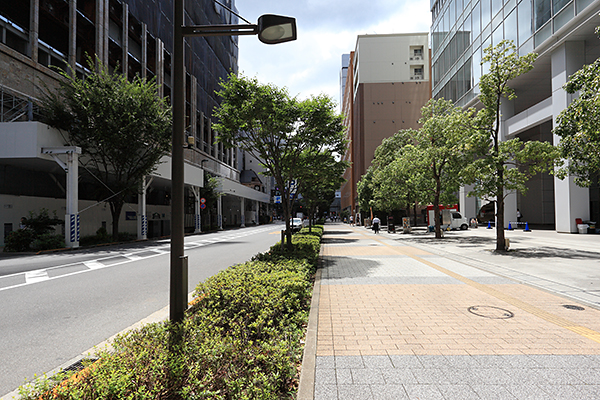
265, 121
503, 166
578, 126
122, 127
365, 189
445, 144
319, 184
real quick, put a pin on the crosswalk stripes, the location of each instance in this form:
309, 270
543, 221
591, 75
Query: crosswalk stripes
31, 277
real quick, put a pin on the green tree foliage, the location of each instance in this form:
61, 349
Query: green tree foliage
122, 127
277, 129
365, 189
503, 166
445, 147
37, 233
578, 126
397, 175
319, 184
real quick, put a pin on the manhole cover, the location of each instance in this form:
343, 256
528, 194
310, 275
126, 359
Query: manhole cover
572, 307
491, 312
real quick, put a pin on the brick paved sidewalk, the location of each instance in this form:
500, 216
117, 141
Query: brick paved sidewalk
397, 322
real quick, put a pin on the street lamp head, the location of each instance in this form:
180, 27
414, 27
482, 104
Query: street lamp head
273, 29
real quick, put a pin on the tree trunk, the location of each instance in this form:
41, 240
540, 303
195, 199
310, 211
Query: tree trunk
500, 245
115, 210
415, 212
436, 209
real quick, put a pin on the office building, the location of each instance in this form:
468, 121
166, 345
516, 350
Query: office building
132, 37
561, 32
388, 81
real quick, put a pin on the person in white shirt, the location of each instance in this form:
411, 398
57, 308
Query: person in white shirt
376, 222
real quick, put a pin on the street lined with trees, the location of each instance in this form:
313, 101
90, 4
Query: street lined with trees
294, 140
458, 147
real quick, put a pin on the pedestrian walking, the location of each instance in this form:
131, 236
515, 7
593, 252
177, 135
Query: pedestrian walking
376, 222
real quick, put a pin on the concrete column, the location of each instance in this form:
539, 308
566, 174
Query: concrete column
197, 209
194, 108
160, 67
105, 33
257, 212
100, 29
142, 220
467, 205
144, 50
570, 200
72, 216
125, 39
242, 212
72, 56
220, 213
34, 28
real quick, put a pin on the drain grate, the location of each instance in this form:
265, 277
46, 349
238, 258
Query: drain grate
79, 365
491, 312
572, 307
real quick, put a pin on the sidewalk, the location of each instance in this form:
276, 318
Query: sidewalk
406, 316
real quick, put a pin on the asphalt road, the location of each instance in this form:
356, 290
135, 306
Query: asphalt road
54, 307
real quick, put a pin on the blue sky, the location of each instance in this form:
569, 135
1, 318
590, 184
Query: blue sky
326, 30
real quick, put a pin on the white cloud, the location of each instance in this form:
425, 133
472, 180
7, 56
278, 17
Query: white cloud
326, 30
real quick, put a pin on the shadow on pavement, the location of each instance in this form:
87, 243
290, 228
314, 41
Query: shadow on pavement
550, 252
327, 240
338, 268
326, 233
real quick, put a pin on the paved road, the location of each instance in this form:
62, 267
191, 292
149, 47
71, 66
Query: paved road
55, 307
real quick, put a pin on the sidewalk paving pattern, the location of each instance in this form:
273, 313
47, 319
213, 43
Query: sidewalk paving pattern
396, 321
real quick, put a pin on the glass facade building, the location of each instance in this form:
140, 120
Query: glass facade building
562, 33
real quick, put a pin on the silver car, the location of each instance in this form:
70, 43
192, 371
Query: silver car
296, 224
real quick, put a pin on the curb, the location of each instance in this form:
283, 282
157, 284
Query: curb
157, 316
306, 387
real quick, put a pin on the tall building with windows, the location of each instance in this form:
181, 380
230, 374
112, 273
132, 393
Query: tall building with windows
387, 83
562, 33
133, 37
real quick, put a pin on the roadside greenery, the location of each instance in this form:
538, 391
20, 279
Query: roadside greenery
241, 339
503, 165
36, 233
287, 135
122, 127
578, 126
455, 147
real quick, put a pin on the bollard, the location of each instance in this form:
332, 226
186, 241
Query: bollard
527, 227
509, 226
489, 225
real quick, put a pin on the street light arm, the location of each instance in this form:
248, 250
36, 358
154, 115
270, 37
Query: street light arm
219, 30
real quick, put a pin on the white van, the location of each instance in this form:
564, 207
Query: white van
454, 220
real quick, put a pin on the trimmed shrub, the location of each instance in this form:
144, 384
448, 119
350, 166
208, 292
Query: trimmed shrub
241, 340
48, 241
19, 240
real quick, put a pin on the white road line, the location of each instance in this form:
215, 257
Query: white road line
36, 276
94, 264
42, 275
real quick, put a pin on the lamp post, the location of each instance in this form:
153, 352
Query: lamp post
271, 29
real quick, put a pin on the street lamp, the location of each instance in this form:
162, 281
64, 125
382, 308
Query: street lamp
271, 29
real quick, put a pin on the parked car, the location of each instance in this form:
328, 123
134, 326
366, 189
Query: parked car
296, 224
487, 213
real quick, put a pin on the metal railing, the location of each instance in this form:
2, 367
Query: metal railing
15, 106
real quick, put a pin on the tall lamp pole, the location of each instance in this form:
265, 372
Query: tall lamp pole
271, 29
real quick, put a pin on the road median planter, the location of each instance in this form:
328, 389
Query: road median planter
242, 338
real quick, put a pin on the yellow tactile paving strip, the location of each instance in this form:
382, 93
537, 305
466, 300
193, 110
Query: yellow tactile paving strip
434, 319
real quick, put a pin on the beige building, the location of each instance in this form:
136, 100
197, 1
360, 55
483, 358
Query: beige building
388, 83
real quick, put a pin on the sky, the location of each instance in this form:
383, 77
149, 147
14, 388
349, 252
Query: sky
326, 30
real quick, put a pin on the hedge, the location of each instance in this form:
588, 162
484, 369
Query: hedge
241, 339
